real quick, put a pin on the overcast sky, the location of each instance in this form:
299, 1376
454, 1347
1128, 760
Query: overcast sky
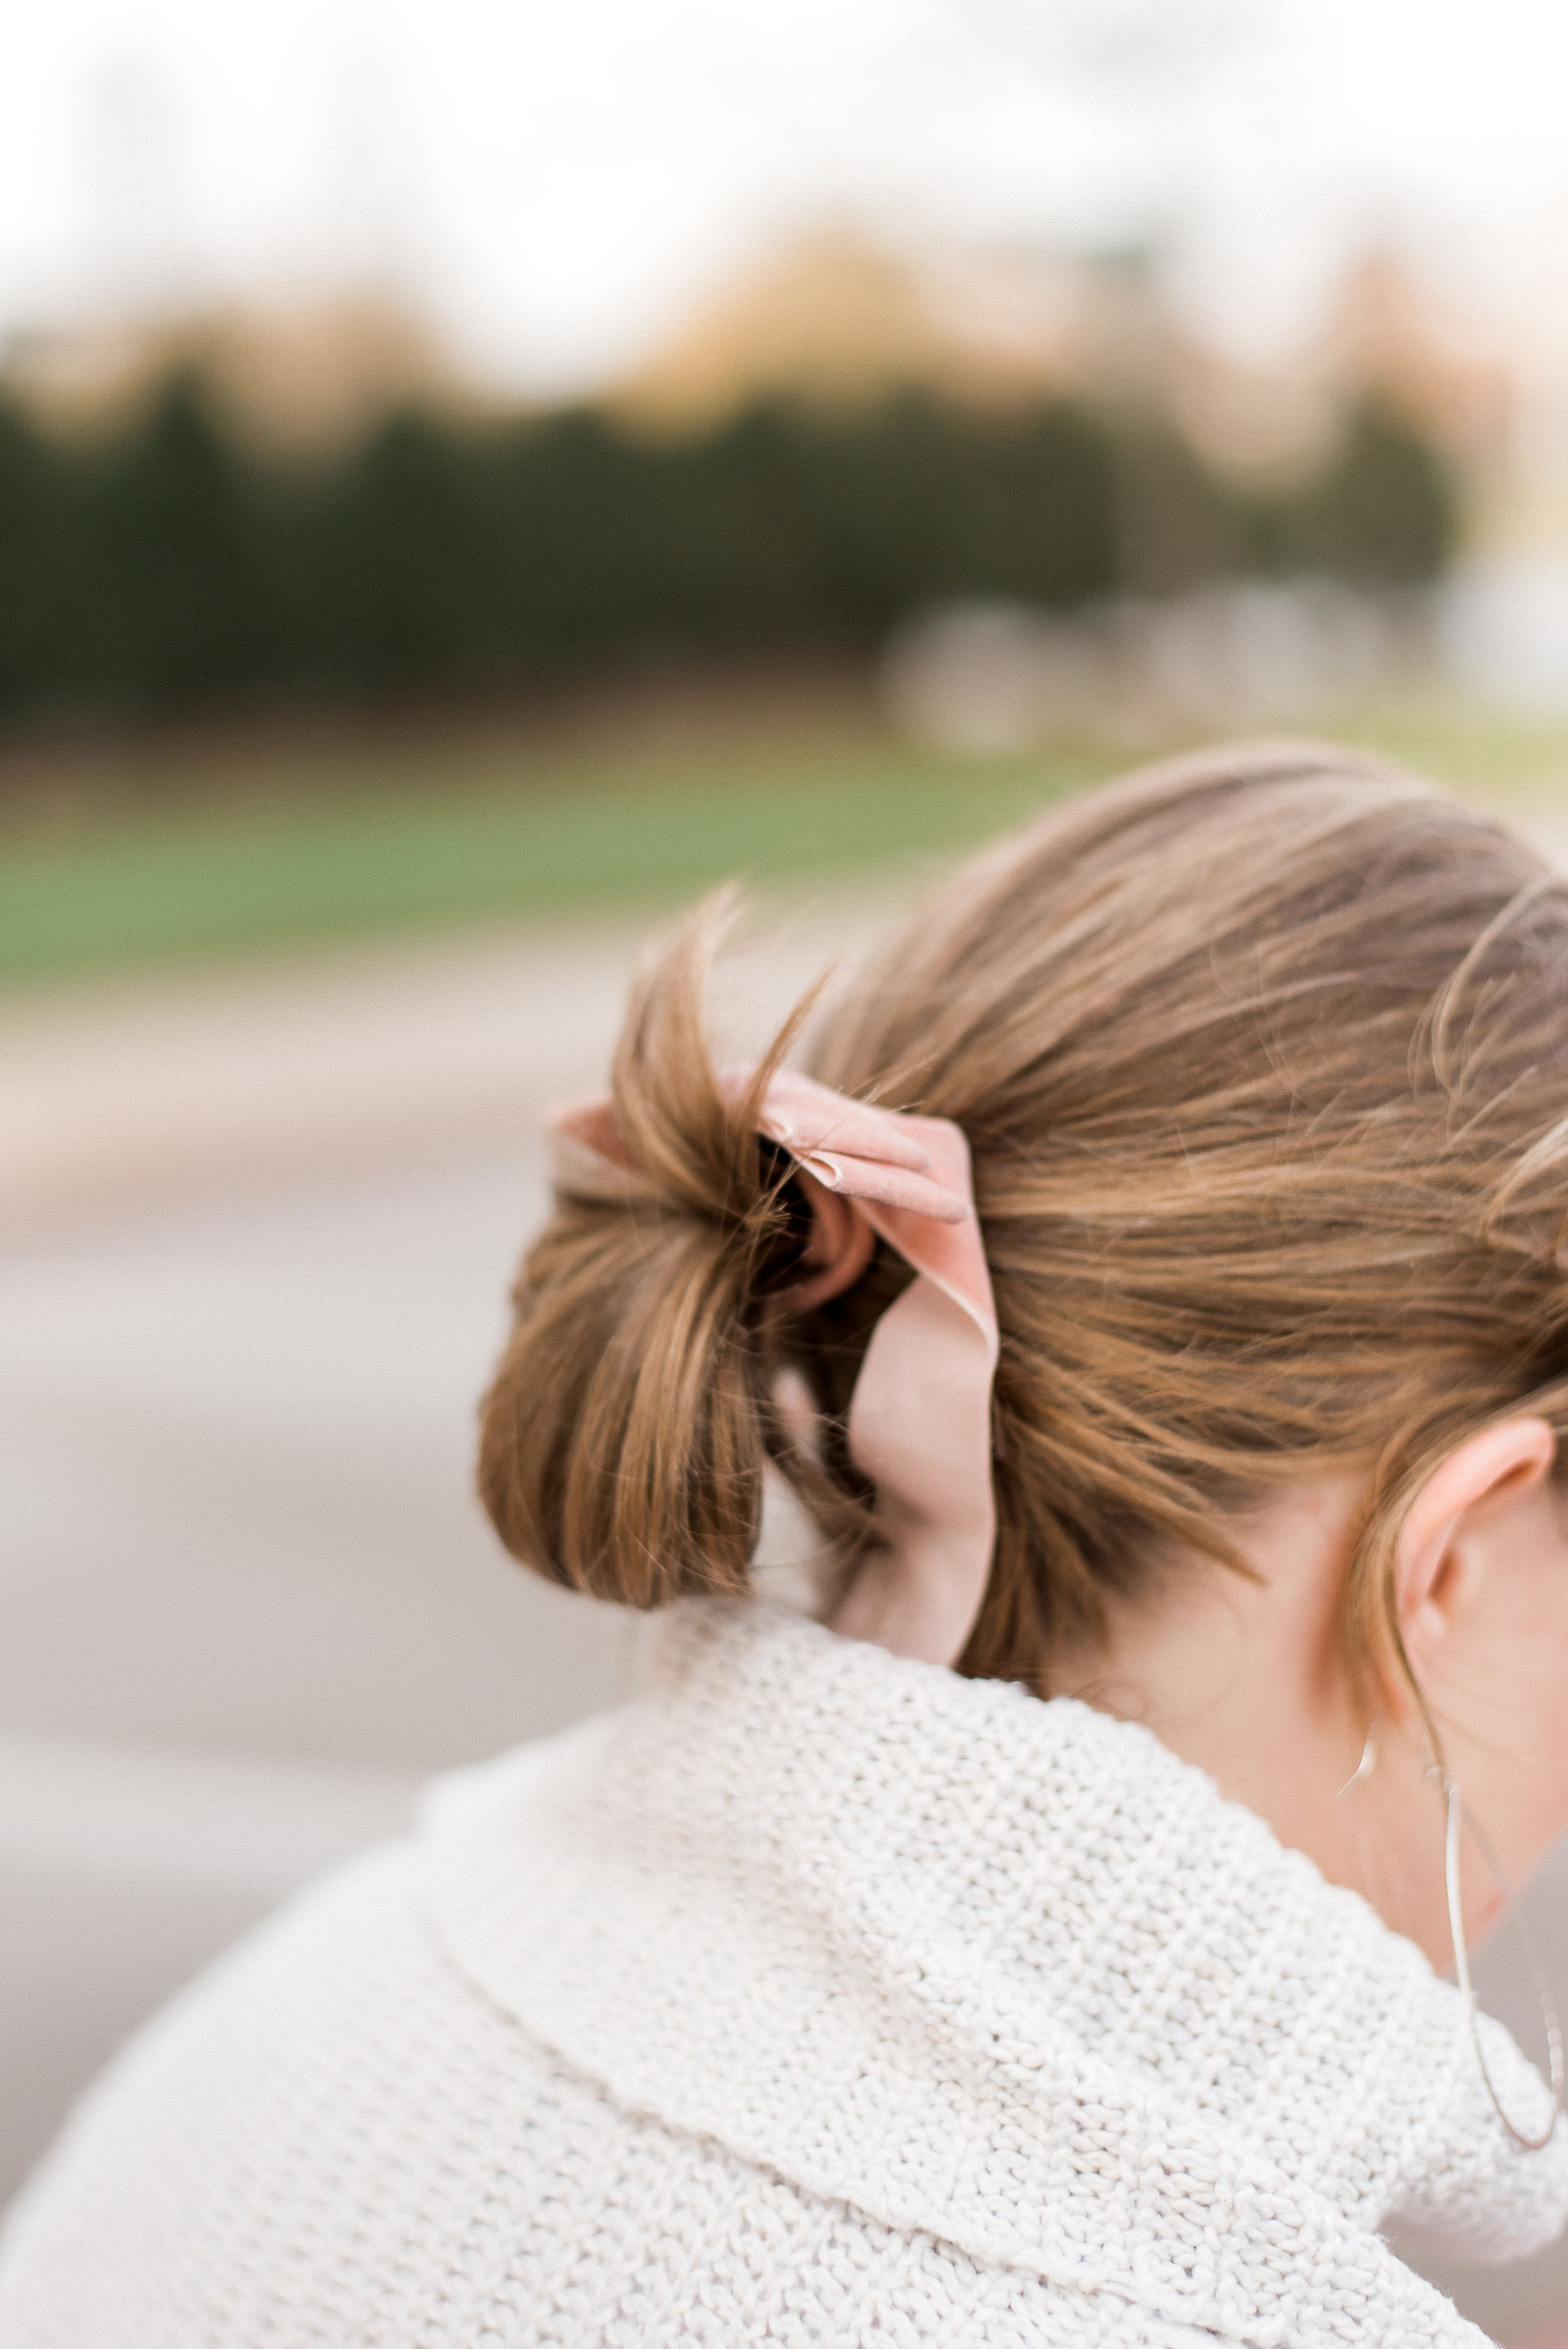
556, 182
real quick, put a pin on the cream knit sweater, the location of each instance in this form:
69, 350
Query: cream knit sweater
817, 1998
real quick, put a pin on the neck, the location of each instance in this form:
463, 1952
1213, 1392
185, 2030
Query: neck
1244, 1677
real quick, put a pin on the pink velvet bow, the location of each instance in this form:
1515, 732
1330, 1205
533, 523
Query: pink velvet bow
919, 1417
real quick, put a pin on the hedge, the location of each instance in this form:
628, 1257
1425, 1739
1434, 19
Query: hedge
170, 569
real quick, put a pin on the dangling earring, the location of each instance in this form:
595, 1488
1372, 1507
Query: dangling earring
1456, 1821
1364, 1768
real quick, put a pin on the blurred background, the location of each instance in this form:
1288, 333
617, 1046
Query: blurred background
472, 477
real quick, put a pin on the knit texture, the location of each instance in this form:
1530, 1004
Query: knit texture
818, 1997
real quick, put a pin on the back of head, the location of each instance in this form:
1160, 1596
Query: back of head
1262, 1061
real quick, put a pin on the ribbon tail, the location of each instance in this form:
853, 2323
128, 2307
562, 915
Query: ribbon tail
920, 1428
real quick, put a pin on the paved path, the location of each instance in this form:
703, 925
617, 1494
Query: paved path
162, 1092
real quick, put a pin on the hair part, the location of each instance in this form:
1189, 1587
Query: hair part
1262, 1059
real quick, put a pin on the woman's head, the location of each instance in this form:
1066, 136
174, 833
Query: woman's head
1262, 1061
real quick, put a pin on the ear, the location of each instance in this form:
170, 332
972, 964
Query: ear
1487, 1471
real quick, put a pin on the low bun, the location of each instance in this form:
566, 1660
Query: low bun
625, 1437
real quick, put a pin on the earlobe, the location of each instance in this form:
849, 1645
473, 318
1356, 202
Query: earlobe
1497, 1466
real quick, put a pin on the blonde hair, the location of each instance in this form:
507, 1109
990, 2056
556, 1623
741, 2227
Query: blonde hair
1262, 1059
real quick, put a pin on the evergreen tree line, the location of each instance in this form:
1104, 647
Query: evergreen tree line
171, 569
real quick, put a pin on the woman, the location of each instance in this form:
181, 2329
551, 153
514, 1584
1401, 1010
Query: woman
1181, 1340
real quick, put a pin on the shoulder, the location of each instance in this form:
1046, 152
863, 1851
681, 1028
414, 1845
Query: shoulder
194, 2076
305, 2128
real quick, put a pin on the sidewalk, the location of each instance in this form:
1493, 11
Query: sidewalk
157, 1090
169, 1090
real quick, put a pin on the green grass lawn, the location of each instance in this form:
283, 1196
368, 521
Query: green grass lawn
451, 837
223, 877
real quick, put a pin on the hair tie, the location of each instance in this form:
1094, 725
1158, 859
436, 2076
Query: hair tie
919, 1416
